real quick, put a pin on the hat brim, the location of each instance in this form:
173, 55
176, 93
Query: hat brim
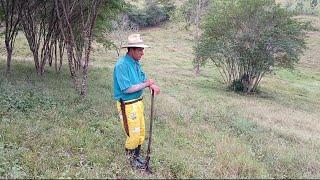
135, 45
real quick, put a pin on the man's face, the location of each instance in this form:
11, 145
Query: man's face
137, 53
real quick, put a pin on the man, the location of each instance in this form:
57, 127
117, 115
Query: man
129, 81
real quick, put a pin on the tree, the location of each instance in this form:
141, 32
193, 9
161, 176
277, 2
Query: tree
121, 28
192, 12
201, 8
246, 38
32, 29
153, 13
80, 28
76, 21
52, 26
187, 11
11, 10
39, 23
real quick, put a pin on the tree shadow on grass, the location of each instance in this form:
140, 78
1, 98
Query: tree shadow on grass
257, 94
221, 87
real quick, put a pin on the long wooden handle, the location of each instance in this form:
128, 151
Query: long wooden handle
150, 133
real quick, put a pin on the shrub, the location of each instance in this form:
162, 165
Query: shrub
151, 15
246, 38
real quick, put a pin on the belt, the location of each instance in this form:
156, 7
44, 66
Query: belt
134, 101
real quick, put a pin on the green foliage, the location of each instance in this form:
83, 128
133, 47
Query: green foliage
246, 38
151, 15
107, 14
138, 16
187, 12
155, 14
169, 9
23, 99
109, 11
11, 168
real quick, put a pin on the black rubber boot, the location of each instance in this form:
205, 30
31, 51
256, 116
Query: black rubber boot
137, 165
137, 155
137, 162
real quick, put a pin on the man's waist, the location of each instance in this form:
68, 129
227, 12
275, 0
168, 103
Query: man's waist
131, 101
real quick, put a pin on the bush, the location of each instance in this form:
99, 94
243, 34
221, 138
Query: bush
155, 15
246, 39
151, 15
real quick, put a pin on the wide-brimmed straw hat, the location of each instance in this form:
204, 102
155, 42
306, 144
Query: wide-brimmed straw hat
134, 40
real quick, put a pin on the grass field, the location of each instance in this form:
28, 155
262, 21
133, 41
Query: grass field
201, 130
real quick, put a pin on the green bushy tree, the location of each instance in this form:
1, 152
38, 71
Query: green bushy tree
247, 38
152, 14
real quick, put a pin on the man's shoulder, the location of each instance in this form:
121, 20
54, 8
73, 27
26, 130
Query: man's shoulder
121, 62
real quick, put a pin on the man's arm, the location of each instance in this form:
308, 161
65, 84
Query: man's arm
140, 86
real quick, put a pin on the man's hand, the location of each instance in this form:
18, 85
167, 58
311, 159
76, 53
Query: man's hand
149, 82
155, 88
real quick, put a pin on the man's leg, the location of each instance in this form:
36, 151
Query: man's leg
142, 132
133, 140
142, 123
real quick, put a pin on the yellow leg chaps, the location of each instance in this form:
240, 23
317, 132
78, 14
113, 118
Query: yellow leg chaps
136, 125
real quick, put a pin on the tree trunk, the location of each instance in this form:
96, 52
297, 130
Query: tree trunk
10, 10
55, 56
88, 28
36, 61
84, 84
61, 51
248, 82
67, 36
197, 35
71, 65
74, 45
32, 31
9, 57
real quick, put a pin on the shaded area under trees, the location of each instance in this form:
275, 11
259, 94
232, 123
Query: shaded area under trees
51, 27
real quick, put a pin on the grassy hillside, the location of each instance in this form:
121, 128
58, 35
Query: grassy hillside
201, 130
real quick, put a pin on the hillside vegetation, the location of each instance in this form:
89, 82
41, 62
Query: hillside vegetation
201, 130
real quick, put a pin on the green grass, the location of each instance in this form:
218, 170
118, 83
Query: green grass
201, 130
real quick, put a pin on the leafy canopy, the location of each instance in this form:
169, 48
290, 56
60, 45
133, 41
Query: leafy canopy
246, 38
